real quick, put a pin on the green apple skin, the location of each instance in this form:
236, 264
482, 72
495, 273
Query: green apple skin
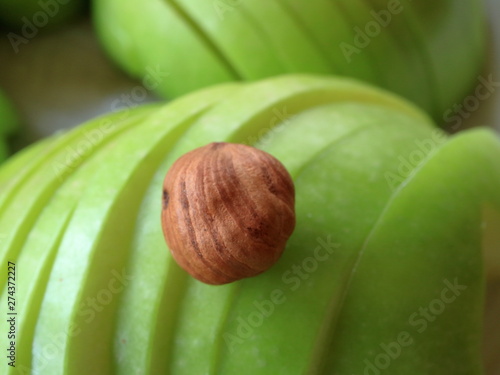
144, 47
225, 34
40, 14
316, 18
412, 50
274, 21
388, 212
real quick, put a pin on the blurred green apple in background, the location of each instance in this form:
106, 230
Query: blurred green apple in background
8, 124
28, 16
383, 273
428, 52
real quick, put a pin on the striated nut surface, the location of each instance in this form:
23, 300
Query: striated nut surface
228, 210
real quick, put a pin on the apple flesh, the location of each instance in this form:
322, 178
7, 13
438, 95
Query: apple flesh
388, 224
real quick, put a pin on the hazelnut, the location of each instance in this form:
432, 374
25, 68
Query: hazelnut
228, 210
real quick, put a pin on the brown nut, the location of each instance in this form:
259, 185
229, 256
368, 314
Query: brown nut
228, 210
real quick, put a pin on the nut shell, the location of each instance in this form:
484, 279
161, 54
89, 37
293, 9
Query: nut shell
228, 210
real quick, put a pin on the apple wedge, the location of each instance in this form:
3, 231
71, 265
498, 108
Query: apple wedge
118, 195
384, 272
328, 26
279, 27
438, 28
236, 37
166, 51
413, 334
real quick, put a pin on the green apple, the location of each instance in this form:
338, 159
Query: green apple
383, 272
29, 16
411, 49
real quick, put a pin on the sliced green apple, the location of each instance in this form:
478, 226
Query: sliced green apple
298, 52
159, 282
234, 325
107, 296
13, 169
111, 197
431, 226
322, 20
166, 51
374, 38
236, 36
452, 24
280, 98
23, 200
408, 54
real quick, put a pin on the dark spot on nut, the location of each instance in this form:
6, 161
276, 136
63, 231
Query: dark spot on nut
166, 198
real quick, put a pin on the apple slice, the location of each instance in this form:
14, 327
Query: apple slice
326, 24
145, 346
375, 39
278, 99
235, 35
44, 229
223, 329
16, 168
107, 296
444, 31
35, 259
109, 21
166, 51
158, 282
136, 346
24, 199
92, 255
431, 226
408, 55
299, 52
